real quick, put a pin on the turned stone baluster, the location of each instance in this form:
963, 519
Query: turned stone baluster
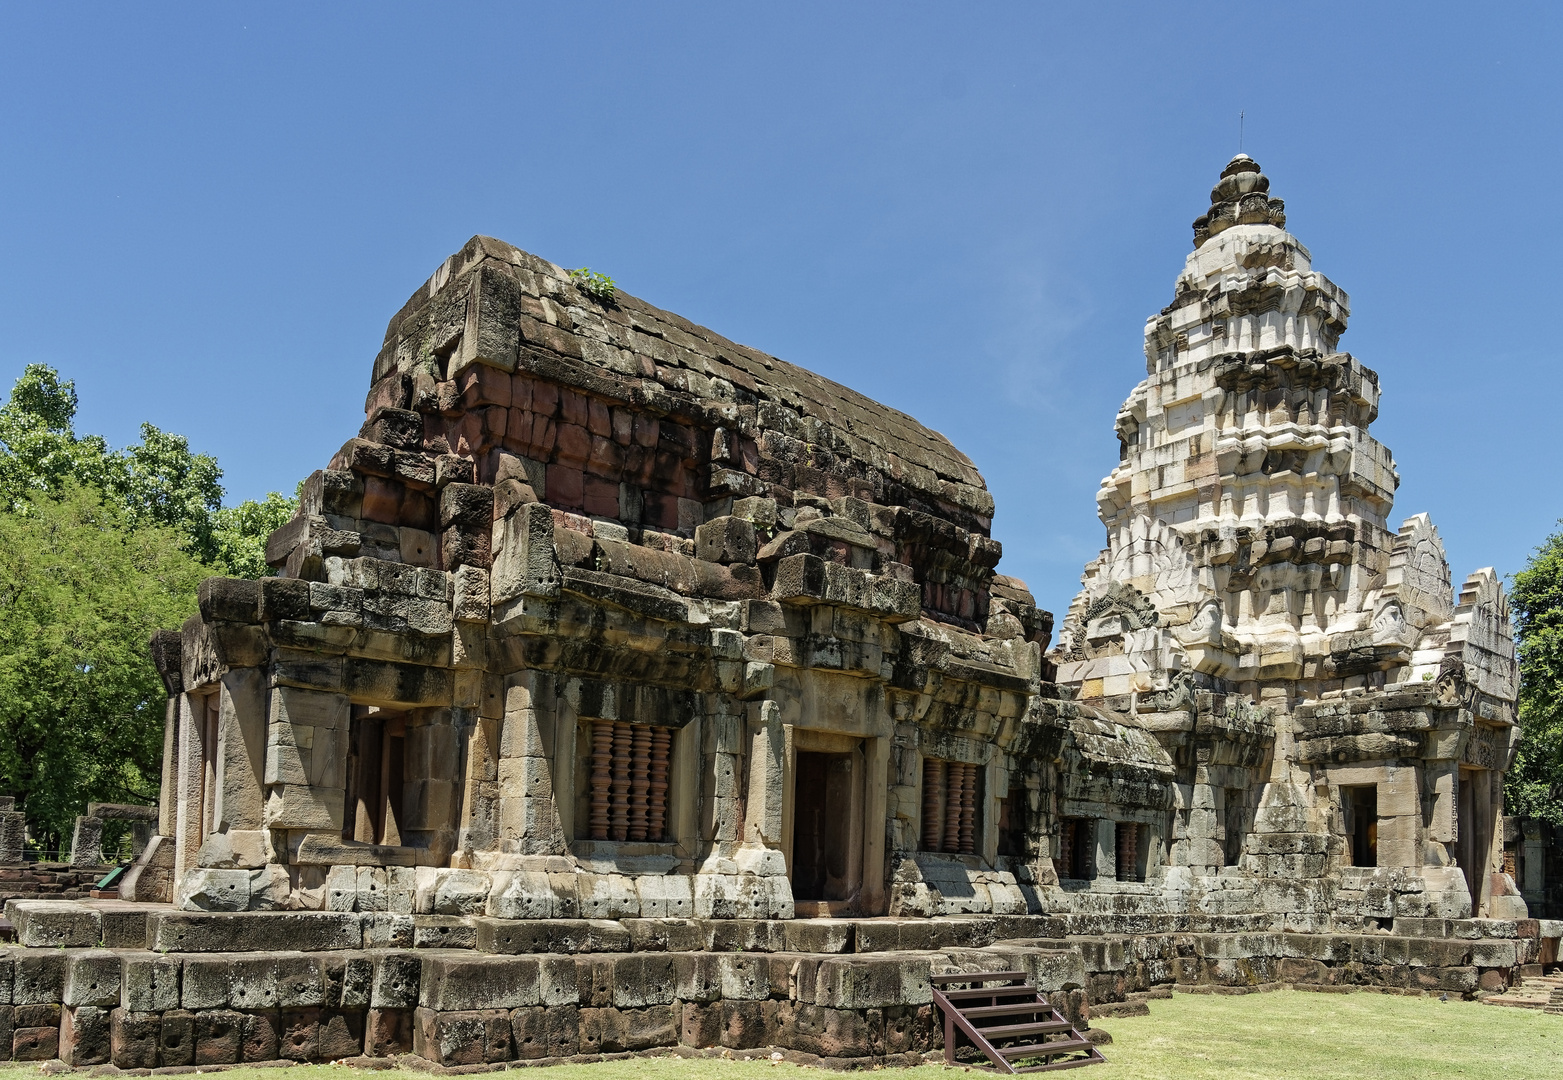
952, 807
933, 787
640, 780
602, 777
657, 790
620, 828
968, 844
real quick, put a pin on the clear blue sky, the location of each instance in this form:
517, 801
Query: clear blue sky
967, 211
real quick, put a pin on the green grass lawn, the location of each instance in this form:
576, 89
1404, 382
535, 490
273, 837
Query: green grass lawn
1197, 1037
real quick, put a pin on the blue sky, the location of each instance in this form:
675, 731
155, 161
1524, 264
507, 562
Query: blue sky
209, 212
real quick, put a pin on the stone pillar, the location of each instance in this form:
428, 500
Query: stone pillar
767, 767
435, 745
723, 746
1104, 858
528, 820
1533, 855
306, 761
168, 793
189, 770
13, 832
241, 759
876, 754
87, 842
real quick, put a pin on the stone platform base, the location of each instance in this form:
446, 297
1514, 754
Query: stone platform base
145, 987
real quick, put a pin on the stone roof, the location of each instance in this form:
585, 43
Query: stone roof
629, 350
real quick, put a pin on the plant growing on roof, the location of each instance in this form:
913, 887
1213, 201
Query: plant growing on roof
598, 286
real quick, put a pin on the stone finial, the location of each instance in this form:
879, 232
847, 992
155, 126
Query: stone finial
1240, 197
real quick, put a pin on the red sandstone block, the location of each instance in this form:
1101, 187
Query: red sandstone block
388, 1032
261, 1038
566, 487
646, 431
85, 1037
494, 424
574, 444
539, 1032
521, 392
341, 1035
300, 1035
469, 437
638, 462
598, 418
382, 500
218, 1035
176, 1038
623, 427
573, 408
133, 1039
35, 1044
606, 459
601, 497
545, 398
541, 443
483, 385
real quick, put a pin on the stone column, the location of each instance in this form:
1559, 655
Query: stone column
168, 793
13, 831
189, 769
876, 755
306, 761
240, 809
528, 820
767, 765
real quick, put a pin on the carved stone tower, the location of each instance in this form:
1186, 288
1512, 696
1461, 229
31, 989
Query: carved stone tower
1249, 551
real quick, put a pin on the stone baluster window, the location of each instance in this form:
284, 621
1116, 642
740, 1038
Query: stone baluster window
629, 781
1076, 839
950, 801
1130, 838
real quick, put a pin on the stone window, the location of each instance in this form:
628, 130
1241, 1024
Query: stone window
376, 778
1129, 840
1012, 820
1360, 806
1232, 827
627, 792
1076, 841
950, 800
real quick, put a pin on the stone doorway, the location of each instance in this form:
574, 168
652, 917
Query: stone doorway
1474, 822
827, 856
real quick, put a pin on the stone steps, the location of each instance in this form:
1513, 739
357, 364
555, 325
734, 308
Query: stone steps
1543, 992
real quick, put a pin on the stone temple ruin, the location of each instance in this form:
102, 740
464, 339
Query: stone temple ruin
623, 687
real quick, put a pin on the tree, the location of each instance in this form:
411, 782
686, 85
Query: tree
81, 707
99, 548
1534, 787
239, 534
158, 481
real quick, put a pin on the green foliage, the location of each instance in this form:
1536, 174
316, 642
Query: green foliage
99, 548
598, 286
239, 534
157, 481
81, 707
1534, 787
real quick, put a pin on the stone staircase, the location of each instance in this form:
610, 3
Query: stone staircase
1544, 992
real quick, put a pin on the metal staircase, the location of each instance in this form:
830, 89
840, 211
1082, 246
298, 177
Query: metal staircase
1007, 1018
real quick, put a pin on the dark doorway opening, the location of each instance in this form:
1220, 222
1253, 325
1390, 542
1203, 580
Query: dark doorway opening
1474, 822
375, 780
1361, 808
822, 827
